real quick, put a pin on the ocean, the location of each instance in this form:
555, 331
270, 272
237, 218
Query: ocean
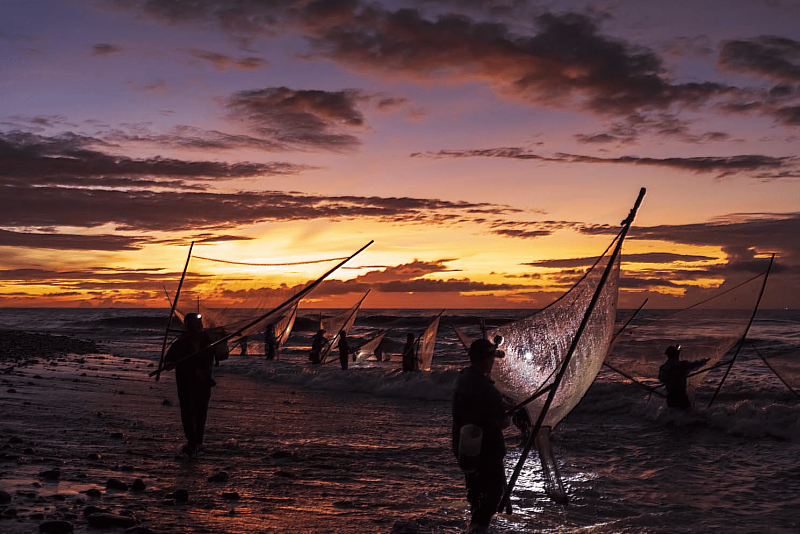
368, 449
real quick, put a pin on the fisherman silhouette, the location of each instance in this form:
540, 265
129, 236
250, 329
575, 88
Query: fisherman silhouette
479, 417
317, 344
192, 360
673, 374
344, 349
270, 343
410, 354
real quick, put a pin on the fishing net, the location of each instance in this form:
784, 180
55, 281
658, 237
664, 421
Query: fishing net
709, 329
367, 348
426, 344
537, 345
342, 322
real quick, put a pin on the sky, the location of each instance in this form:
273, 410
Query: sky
489, 148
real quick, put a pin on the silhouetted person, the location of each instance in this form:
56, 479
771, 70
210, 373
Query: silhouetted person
344, 350
243, 345
673, 374
270, 343
317, 344
479, 413
192, 360
410, 354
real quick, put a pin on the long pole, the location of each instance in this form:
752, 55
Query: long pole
538, 426
335, 338
746, 330
172, 312
299, 295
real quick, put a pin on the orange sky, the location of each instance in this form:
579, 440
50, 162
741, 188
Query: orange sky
490, 149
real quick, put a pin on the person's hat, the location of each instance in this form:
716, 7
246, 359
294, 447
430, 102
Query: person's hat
673, 351
190, 317
483, 348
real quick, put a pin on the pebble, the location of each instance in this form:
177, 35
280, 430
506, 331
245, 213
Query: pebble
105, 520
219, 476
138, 485
116, 484
56, 527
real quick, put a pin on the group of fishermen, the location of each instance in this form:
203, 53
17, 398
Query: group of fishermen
477, 405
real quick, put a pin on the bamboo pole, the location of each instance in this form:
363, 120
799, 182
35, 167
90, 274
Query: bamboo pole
171, 313
549, 400
746, 330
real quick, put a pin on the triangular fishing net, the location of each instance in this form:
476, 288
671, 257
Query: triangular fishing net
335, 325
427, 342
709, 328
367, 348
536, 346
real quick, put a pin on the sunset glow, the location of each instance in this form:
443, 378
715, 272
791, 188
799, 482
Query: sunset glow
489, 148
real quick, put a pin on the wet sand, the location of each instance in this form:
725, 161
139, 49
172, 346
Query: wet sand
89, 439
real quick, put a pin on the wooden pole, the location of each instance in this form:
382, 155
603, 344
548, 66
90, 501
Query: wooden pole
746, 330
549, 400
171, 313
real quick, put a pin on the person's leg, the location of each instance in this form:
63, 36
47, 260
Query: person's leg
487, 492
186, 398
201, 402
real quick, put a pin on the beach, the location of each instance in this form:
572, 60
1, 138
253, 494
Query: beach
292, 447
79, 430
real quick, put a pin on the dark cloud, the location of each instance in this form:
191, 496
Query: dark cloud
530, 229
739, 235
647, 257
222, 62
310, 119
105, 49
568, 63
192, 138
69, 241
758, 166
148, 210
70, 159
771, 57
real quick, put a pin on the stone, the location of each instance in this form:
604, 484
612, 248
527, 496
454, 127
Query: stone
138, 485
116, 484
219, 476
103, 520
56, 527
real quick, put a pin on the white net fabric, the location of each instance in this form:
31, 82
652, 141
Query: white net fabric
427, 342
339, 323
536, 346
367, 348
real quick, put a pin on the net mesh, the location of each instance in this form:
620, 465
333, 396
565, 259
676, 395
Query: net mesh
342, 322
427, 342
367, 348
708, 329
537, 345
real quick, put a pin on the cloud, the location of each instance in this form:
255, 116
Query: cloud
70, 159
739, 235
222, 62
568, 63
105, 49
59, 241
757, 166
310, 119
647, 257
770, 57
530, 229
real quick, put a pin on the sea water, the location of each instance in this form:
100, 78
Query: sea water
368, 449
